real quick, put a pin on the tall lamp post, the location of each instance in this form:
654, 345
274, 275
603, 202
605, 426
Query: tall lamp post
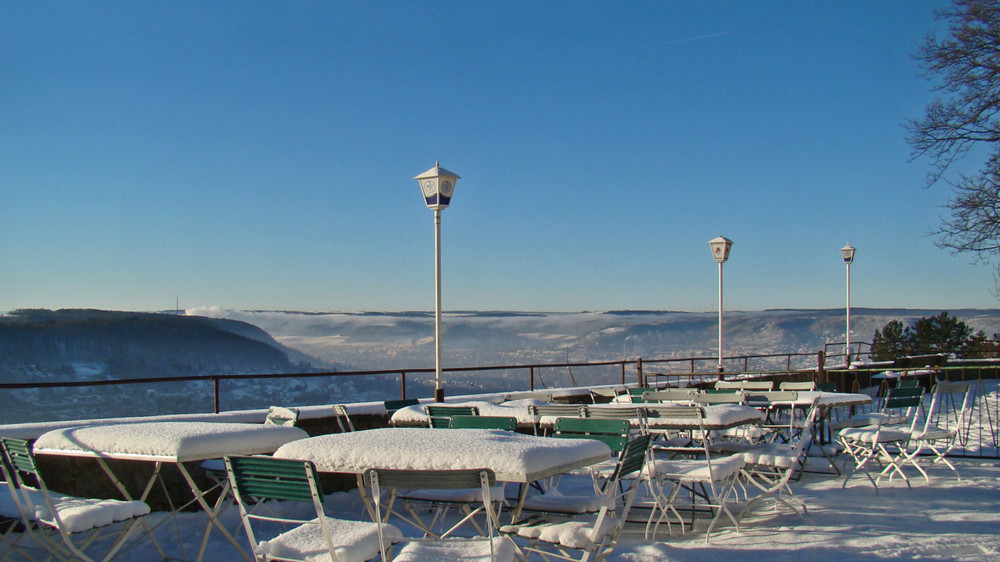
720, 252
437, 186
848, 253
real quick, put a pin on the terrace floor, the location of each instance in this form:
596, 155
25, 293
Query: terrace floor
948, 519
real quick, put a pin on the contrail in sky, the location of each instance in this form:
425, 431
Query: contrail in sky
698, 38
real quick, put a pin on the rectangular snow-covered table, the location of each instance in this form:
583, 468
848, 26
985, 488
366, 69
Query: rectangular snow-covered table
514, 457
169, 443
720, 416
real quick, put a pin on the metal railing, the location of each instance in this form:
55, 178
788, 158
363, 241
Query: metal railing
239, 391
409, 382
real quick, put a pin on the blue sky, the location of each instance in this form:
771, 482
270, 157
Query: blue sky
260, 155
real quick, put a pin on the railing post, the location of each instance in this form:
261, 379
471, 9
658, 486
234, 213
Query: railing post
623, 372
638, 370
215, 389
402, 385
746, 364
820, 364
531, 378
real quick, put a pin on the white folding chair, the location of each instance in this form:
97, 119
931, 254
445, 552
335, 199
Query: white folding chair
669, 395
779, 409
448, 545
771, 466
797, 385
948, 414
580, 534
705, 477
343, 418
886, 440
552, 411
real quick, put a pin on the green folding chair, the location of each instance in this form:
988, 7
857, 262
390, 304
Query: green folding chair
312, 534
483, 422
391, 406
66, 526
439, 416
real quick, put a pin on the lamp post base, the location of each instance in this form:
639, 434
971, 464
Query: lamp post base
439, 395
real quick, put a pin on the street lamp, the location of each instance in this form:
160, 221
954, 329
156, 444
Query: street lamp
437, 185
720, 252
848, 253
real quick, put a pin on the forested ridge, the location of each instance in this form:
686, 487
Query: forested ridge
120, 345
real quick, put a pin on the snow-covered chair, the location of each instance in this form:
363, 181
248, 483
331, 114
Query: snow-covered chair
313, 534
613, 432
343, 418
635, 415
770, 466
478, 483
528, 395
391, 406
66, 526
591, 536
552, 411
714, 477
779, 409
440, 416
745, 385
669, 395
946, 417
12, 530
483, 422
797, 385
886, 438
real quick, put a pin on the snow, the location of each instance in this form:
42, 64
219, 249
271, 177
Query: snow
414, 415
355, 541
721, 415
76, 514
948, 519
509, 455
172, 440
945, 519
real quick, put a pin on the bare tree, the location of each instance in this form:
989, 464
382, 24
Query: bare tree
964, 118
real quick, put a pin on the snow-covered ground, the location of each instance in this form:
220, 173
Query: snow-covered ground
948, 519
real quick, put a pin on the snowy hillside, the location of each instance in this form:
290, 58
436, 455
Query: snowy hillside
361, 341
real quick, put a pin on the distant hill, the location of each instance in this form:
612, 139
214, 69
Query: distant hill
385, 340
73, 345
80, 344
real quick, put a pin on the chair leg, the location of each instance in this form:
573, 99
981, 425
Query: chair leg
861, 456
773, 484
893, 464
665, 504
722, 506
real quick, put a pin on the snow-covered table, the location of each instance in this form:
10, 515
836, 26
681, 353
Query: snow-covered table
169, 443
720, 416
413, 416
832, 399
514, 457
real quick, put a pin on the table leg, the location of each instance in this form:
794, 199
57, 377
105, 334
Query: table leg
213, 519
145, 492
